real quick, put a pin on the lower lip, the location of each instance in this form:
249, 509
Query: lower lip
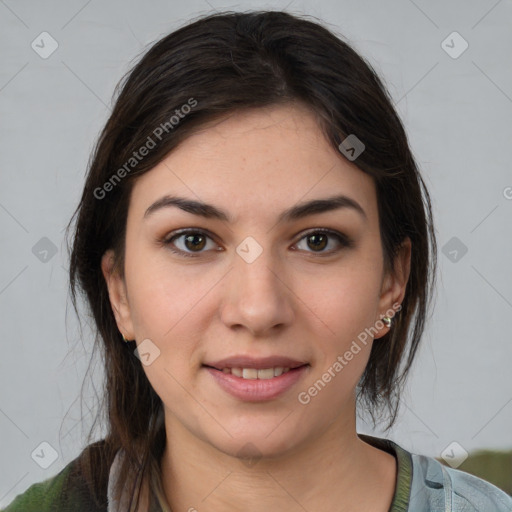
257, 390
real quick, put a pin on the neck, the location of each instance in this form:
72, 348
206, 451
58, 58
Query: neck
333, 470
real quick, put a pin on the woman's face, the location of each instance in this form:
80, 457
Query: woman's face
261, 289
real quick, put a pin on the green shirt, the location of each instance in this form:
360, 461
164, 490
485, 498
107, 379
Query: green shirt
422, 485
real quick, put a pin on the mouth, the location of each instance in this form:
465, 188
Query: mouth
253, 373
254, 380
246, 367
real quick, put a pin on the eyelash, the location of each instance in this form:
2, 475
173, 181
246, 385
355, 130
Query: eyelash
342, 239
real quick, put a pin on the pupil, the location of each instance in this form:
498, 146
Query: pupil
317, 240
191, 238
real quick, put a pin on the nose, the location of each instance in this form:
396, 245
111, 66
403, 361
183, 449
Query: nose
257, 297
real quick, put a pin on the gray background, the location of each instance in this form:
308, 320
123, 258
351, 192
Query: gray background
457, 112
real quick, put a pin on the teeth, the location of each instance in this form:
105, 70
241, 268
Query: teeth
250, 373
237, 372
267, 373
253, 373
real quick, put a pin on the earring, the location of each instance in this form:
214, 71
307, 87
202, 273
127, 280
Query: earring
387, 321
125, 340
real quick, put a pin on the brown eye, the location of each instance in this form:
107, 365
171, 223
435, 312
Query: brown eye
195, 241
189, 243
317, 241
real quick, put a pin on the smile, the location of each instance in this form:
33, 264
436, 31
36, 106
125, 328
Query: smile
256, 380
253, 373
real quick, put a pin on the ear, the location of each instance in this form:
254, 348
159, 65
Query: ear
117, 294
394, 284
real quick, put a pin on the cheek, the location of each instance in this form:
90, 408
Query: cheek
162, 297
344, 302
345, 306
342, 347
164, 306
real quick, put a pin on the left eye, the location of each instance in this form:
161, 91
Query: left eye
319, 240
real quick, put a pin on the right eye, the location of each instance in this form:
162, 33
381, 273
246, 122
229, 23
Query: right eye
191, 241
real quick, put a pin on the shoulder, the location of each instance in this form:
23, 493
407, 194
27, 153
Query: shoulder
435, 485
68, 490
426, 485
40, 496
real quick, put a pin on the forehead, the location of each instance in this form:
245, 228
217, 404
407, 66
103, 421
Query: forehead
255, 164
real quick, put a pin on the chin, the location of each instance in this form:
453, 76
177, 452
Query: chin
257, 440
252, 450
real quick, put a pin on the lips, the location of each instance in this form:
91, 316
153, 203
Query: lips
256, 379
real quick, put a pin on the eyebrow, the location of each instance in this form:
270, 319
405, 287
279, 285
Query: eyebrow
296, 212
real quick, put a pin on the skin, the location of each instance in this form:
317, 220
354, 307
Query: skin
296, 303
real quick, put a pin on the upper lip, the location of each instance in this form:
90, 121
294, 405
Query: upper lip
253, 362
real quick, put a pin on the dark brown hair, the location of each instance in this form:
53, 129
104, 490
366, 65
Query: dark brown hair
220, 64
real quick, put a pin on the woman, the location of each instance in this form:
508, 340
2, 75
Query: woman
256, 246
